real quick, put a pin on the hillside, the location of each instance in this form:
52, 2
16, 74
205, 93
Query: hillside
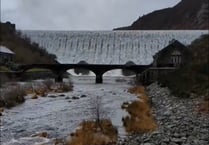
25, 51
186, 15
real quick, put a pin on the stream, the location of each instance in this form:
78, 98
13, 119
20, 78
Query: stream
60, 115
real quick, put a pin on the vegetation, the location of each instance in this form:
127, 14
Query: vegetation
98, 111
12, 96
192, 78
44, 87
186, 15
140, 119
13, 39
99, 131
38, 70
4, 69
88, 134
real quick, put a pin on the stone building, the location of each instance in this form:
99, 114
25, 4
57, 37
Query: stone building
166, 60
6, 55
175, 54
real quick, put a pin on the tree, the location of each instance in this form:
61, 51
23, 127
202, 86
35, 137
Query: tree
98, 111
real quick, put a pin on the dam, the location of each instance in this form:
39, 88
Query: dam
109, 47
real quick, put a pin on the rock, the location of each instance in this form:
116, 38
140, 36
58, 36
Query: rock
177, 135
44, 94
177, 140
0, 114
62, 95
41, 134
52, 96
125, 105
147, 144
166, 140
83, 96
58, 142
67, 97
59, 91
70, 101
178, 123
75, 98
167, 113
34, 97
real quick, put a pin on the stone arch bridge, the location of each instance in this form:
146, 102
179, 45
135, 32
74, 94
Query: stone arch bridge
97, 69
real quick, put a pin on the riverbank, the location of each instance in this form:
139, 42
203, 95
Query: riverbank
178, 121
59, 116
14, 93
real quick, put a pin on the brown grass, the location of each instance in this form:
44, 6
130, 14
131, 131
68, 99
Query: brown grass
48, 86
204, 107
137, 90
91, 134
140, 119
1, 110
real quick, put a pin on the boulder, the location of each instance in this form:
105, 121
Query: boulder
75, 98
52, 96
34, 96
41, 134
83, 96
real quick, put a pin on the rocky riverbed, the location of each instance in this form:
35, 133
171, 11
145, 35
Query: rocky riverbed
178, 121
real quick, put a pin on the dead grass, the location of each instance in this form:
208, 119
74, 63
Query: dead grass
204, 107
48, 83
12, 96
137, 90
47, 86
140, 119
90, 134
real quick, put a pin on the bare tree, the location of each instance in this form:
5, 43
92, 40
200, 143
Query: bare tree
98, 111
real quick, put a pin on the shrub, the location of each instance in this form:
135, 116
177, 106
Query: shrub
88, 134
3, 79
48, 83
12, 96
65, 86
140, 119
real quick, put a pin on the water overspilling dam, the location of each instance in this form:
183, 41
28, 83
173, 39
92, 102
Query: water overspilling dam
109, 47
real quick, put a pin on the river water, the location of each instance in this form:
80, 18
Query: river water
60, 116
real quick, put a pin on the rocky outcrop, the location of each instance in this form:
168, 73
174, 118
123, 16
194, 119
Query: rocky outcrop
177, 119
186, 15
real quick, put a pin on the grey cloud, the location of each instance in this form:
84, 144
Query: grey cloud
78, 14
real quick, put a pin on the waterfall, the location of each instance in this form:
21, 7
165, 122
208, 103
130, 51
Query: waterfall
108, 47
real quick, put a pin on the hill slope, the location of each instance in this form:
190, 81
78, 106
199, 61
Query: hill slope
25, 51
186, 15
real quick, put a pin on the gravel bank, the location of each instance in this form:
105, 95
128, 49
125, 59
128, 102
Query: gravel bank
178, 122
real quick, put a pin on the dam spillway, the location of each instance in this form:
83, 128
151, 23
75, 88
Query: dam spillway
109, 47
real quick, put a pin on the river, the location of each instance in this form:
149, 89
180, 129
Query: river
61, 115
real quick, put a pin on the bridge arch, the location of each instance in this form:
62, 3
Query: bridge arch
81, 71
98, 69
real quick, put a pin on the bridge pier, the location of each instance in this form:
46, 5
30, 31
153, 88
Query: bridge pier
59, 78
99, 69
59, 75
99, 79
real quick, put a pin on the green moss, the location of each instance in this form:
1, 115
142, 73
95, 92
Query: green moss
38, 70
4, 69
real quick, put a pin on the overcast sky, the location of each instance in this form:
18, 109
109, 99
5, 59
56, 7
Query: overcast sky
77, 14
